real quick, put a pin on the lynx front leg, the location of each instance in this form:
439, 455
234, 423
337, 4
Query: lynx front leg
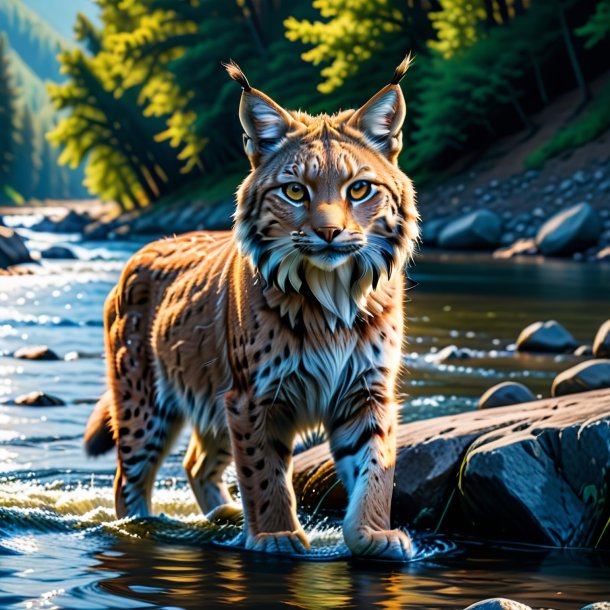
263, 462
363, 444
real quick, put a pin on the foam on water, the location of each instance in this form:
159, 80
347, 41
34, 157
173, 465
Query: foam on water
87, 511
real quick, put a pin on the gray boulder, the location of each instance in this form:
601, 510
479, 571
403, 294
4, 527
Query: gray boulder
38, 399
588, 375
601, 343
549, 336
12, 249
431, 229
571, 230
529, 472
59, 253
478, 230
35, 352
507, 393
498, 603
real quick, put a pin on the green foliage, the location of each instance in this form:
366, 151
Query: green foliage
594, 122
598, 26
456, 25
355, 31
7, 130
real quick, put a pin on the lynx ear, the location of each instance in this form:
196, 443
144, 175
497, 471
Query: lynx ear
381, 118
265, 123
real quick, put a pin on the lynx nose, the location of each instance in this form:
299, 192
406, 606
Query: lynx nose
328, 233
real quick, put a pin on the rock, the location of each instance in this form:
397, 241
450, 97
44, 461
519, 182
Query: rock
35, 352
565, 185
569, 231
451, 352
529, 473
12, 249
583, 350
522, 247
601, 343
597, 606
477, 230
498, 603
38, 399
507, 393
588, 375
220, 217
431, 229
71, 222
58, 252
580, 177
547, 336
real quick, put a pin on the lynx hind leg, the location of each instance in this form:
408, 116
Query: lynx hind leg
205, 461
143, 430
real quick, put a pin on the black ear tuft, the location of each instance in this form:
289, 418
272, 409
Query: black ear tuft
236, 74
402, 68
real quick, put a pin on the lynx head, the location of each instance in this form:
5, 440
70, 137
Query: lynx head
325, 209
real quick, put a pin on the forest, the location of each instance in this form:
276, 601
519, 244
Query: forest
138, 108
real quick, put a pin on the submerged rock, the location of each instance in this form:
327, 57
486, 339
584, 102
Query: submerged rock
451, 352
38, 399
478, 230
506, 393
12, 249
601, 343
588, 375
571, 230
35, 352
583, 350
529, 472
549, 336
498, 603
521, 247
58, 252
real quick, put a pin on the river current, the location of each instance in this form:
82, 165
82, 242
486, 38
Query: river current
61, 547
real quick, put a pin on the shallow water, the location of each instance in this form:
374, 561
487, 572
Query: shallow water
60, 546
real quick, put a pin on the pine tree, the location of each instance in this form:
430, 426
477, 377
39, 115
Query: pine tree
25, 173
7, 118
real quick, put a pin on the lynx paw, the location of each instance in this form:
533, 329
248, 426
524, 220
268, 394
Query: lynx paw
386, 544
279, 542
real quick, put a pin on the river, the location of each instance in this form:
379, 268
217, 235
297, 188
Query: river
60, 546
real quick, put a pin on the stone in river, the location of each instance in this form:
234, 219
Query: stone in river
35, 352
597, 606
498, 603
478, 230
12, 249
58, 252
583, 350
588, 375
38, 399
528, 473
601, 343
549, 336
507, 393
571, 230
431, 229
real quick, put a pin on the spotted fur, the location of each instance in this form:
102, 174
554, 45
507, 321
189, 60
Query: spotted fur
292, 321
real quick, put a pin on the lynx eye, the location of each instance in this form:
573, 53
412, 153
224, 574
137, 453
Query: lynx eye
295, 192
359, 191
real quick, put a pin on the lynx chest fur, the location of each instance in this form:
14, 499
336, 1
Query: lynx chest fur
292, 321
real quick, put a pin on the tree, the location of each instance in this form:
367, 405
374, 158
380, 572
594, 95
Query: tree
25, 172
456, 25
7, 118
597, 27
356, 32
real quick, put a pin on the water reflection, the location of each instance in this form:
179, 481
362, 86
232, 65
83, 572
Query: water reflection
178, 577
